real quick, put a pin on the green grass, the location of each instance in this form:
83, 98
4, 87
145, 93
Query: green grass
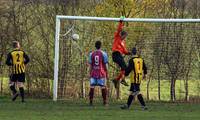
193, 87
79, 110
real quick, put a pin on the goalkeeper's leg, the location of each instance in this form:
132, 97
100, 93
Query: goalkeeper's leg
119, 60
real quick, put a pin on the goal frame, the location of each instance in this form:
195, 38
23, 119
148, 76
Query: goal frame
89, 18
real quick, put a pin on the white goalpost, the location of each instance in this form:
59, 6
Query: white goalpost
57, 36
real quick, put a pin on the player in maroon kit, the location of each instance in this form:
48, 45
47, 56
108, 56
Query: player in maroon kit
98, 61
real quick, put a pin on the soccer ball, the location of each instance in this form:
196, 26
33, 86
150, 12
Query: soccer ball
75, 36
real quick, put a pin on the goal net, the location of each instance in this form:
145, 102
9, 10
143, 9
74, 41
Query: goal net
170, 48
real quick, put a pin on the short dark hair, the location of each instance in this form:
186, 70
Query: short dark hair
123, 33
15, 43
98, 44
134, 51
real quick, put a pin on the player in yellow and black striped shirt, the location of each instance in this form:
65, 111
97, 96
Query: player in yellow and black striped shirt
17, 59
137, 70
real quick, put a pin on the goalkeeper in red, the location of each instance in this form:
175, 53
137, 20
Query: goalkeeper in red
137, 70
119, 49
98, 61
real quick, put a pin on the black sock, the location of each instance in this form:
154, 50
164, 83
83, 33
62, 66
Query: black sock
14, 91
130, 99
140, 98
91, 95
104, 95
21, 89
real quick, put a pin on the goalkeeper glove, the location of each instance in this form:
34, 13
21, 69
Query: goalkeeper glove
122, 18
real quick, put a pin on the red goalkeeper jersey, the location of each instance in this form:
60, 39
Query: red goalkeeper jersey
119, 44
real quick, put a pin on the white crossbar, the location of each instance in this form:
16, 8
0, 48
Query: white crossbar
125, 19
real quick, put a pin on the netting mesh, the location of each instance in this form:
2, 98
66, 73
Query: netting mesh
170, 50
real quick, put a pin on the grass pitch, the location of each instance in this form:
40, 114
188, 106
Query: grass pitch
79, 110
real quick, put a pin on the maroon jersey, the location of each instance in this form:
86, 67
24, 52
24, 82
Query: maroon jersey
98, 61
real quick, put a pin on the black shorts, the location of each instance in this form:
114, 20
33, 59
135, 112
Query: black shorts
135, 87
117, 58
17, 77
